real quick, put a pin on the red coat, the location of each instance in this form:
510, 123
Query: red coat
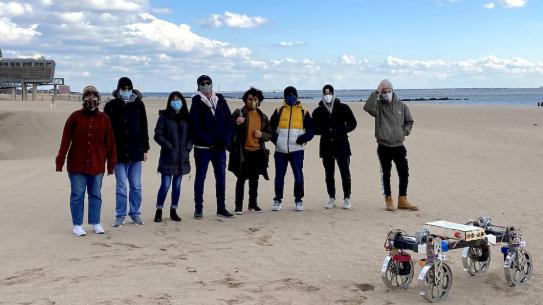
90, 140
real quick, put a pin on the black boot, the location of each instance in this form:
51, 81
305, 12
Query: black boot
158, 215
174, 216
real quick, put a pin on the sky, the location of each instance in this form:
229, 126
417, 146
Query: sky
165, 45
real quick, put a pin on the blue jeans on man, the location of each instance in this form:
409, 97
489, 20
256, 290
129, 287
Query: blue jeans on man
202, 158
92, 184
296, 160
128, 174
166, 181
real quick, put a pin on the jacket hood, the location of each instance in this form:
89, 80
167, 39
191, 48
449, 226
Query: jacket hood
336, 101
115, 93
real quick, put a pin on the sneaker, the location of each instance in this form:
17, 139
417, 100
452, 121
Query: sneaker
174, 216
136, 219
238, 211
255, 209
276, 206
198, 214
98, 229
78, 231
299, 206
225, 213
119, 222
331, 203
347, 203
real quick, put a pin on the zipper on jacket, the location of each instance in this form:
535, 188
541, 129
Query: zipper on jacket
288, 132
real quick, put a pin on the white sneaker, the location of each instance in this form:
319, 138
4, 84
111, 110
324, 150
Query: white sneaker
299, 207
331, 203
276, 206
98, 229
78, 231
347, 203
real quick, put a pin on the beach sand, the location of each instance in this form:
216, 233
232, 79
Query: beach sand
465, 162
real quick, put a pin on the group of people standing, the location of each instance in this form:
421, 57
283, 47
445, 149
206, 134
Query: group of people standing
118, 137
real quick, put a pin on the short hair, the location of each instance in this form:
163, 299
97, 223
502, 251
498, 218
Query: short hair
254, 92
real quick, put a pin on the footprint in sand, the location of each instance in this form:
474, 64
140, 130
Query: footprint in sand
102, 244
129, 246
295, 283
23, 277
264, 240
231, 282
356, 300
365, 287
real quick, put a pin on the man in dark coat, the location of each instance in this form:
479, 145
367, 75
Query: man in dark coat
211, 125
129, 121
333, 120
248, 155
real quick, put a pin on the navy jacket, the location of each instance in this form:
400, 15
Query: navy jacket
333, 129
129, 122
208, 130
173, 135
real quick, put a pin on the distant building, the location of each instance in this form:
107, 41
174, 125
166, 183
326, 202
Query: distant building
63, 89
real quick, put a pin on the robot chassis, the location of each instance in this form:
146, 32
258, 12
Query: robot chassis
436, 238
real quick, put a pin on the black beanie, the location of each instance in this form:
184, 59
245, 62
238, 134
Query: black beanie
290, 90
329, 87
203, 78
124, 82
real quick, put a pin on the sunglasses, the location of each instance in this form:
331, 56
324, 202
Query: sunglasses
95, 100
205, 83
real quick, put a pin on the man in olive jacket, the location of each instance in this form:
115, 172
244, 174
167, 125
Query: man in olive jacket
393, 122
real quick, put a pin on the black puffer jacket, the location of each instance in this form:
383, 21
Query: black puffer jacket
333, 129
129, 122
173, 135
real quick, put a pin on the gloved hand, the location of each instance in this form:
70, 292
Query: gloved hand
299, 140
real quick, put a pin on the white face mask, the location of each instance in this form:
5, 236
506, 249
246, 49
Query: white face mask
328, 98
206, 89
387, 96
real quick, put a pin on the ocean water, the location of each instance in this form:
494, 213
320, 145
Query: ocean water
475, 96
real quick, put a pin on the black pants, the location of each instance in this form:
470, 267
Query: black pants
399, 156
343, 164
249, 172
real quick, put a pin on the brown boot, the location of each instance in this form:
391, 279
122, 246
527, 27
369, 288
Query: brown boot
405, 205
389, 203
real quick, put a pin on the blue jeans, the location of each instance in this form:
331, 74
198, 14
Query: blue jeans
93, 185
296, 160
165, 183
128, 173
202, 158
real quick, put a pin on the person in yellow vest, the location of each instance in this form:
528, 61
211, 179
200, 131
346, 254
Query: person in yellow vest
291, 129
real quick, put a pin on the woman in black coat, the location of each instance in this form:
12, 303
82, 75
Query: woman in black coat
173, 135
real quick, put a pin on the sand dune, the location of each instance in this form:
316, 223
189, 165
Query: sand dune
465, 161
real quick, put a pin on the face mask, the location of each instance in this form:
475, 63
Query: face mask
90, 105
328, 98
176, 105
206, 89
125, 94
291, 100
251, 105
389, 96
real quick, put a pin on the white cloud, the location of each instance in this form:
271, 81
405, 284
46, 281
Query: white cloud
234, 20
14, 9
72, 17
490, 5
506, 4
290, 43
180, 37
14, 34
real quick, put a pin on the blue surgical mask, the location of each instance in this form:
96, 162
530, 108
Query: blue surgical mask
125, 94
176, 105
291, 100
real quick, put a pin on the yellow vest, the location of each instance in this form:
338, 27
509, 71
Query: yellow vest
296, 120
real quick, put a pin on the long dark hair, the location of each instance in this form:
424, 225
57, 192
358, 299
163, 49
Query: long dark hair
184, 112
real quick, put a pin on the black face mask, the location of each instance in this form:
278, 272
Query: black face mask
91, 106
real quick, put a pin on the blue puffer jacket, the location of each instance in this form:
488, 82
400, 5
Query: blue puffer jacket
208, 130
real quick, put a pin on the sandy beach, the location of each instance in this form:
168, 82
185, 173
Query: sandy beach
465, 162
